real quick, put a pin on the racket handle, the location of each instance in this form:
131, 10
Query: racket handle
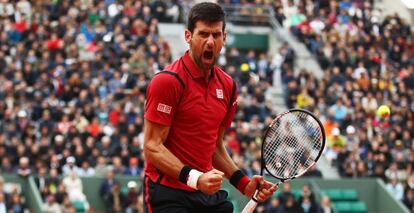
251, 205
249, 208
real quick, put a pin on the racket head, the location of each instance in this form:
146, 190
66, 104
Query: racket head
292, 143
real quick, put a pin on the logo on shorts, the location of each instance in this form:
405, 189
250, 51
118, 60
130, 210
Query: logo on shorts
164, 108
219, 93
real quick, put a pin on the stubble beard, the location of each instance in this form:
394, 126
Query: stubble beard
199, 61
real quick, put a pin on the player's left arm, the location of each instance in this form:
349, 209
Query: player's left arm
223, 162
221, 159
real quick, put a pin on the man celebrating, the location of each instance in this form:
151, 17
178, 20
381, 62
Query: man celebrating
188, 108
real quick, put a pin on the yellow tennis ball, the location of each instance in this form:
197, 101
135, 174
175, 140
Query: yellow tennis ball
383, 111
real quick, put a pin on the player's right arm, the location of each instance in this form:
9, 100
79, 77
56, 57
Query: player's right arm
163, 94
155, 151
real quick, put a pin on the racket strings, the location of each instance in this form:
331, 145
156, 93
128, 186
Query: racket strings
292, 145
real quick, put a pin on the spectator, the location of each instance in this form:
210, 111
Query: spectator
67, 206
394, 173
131, 198
274, 206
339, 111
306, 193
308, 206
304, 100
133, 168
16, 204
291, 206
105, 146
6, 165
313, 172
53, 180
3, 207
41, 180
395, 188
51, 206
70, 166
86, 170
24, 167
283, 196
101, 168
335, 143
326, 206
106, 186
408, 199
74, 188
60, 193
115, 200
117, 166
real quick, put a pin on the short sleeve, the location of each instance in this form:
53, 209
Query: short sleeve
231, 111
163, 94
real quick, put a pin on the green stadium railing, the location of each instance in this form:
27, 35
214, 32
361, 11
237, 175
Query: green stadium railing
370, 191
33, 200
360, 195
356, 195
91, 186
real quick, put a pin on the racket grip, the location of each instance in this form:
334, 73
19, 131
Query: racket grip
249, 208
251, 205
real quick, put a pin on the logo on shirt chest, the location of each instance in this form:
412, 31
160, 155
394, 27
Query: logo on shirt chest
164, 108
219, 93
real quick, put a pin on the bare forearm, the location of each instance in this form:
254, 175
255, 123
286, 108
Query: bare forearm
164, 160
223, 162
156, 153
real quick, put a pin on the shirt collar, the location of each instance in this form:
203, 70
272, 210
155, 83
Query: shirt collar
192, 69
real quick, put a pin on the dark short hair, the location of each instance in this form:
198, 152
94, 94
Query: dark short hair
205, 11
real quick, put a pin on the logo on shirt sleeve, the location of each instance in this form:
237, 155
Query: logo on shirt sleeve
236, 102
164, 108
219, 93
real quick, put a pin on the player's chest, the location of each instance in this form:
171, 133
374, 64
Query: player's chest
204, 101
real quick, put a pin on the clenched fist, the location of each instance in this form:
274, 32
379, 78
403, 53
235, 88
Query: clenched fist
210, 182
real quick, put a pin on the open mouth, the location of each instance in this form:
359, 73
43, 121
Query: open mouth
208, 55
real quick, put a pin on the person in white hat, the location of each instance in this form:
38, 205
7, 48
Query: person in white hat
70, 166
131, 197
352, 141
335, 143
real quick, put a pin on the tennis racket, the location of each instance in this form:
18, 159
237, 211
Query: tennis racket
292, 144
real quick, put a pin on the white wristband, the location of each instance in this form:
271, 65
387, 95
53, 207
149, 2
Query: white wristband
193, 178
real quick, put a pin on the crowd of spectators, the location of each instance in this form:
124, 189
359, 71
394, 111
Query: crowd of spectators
366, 59
73, 77
127, 199
299, 201
367, 62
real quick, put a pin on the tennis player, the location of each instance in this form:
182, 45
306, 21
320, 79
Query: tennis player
188, 108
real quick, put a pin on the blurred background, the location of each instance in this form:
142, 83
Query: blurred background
73, 77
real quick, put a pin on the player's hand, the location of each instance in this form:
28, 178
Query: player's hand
210, 182
266, 188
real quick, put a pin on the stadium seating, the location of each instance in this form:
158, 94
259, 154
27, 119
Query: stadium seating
79, 206
345, 200
296, 193
350, 207
341, 194
106, 57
